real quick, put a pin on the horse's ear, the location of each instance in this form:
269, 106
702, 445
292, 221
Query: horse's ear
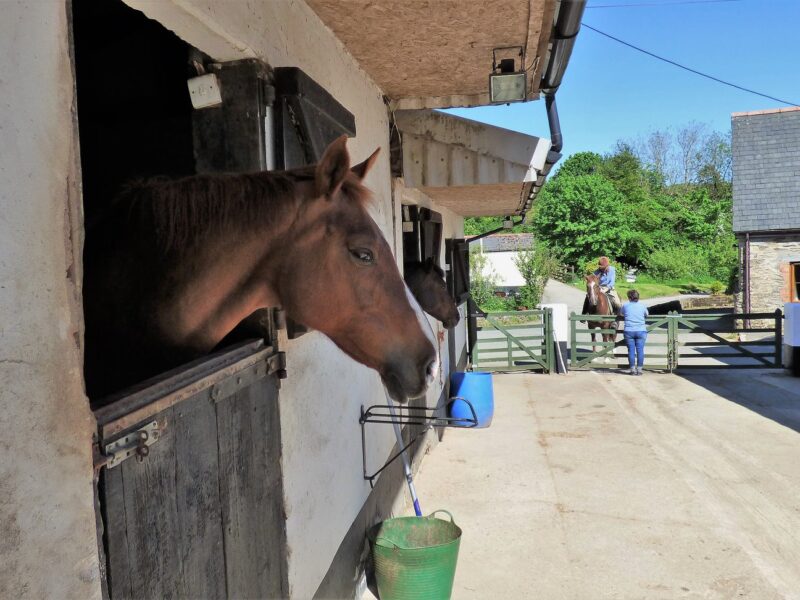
429, 264
363, 168
332, 168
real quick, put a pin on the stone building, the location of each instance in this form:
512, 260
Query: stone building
766, 207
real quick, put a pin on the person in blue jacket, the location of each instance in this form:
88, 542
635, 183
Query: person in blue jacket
635, 331
608, 279
607, 275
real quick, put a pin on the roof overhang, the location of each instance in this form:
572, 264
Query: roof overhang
471, 168
438, 53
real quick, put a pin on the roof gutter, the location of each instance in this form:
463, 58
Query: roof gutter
565, 31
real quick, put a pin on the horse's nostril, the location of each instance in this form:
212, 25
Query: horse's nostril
430, 370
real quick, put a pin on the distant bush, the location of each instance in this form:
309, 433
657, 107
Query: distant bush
675, 263
716, 288
482, 281
536, 267
494, 304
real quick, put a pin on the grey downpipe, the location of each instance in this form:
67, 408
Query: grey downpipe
747, 277
556, 139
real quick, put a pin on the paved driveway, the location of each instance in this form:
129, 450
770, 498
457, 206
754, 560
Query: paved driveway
599, 485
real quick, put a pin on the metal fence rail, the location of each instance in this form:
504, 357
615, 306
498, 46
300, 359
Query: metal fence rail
686, 341
584, 352
514, 344
710, 328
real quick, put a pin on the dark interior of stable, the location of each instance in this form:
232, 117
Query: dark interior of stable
134, 112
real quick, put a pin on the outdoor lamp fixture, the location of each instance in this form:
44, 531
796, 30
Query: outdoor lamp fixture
507, 82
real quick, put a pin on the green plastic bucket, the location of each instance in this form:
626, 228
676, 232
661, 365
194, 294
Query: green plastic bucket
415, 557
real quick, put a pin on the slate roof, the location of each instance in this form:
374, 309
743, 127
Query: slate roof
507, 242
766, 170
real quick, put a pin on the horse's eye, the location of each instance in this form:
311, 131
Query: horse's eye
363, 255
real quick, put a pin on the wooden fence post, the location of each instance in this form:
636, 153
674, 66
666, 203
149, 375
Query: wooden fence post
573, 341
778, 338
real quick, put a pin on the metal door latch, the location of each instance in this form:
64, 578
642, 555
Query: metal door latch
135, 443
277, 364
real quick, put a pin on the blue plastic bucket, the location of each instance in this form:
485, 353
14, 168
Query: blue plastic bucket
477, 388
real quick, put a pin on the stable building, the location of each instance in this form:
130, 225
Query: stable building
766, 207
243, 474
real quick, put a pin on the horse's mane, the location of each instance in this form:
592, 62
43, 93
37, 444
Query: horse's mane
416, 269
182, 213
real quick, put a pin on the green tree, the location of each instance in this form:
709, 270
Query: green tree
581, 163
479, 225
583, 216
624, 169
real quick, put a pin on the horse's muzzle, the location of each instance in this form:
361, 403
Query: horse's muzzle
452, 322
406, 379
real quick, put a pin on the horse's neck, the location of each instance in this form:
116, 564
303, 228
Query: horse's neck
220, 286
603, 304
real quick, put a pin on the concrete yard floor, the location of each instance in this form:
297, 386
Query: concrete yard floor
603, 485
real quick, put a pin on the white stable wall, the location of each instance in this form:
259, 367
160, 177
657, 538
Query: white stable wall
502, 265
321, 399
48, 542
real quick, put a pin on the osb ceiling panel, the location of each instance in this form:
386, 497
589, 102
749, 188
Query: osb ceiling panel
422, 50
498, 199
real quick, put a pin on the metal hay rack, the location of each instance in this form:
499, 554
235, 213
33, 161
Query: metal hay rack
409, 415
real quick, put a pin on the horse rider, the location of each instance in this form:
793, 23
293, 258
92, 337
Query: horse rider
608, 277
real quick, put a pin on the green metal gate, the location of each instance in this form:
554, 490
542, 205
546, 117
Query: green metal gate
728, 339
518, 340
583, 352
680, 341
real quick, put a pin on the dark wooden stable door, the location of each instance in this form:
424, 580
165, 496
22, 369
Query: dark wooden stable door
195, 507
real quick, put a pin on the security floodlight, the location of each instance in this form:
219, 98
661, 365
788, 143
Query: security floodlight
508, 82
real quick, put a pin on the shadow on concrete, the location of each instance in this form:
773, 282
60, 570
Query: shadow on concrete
772, 393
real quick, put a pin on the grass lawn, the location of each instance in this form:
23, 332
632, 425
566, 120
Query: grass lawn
651, 289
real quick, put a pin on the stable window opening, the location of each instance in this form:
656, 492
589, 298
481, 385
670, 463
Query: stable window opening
794, 276
422, 235
457, 251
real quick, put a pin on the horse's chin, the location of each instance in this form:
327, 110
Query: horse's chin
450, 323
398, 392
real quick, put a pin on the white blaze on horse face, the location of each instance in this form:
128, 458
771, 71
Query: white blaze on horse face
425, 325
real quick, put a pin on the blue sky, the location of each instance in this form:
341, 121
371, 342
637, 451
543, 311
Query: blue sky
611, 92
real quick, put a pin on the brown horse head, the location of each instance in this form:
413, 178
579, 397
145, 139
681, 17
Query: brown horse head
338, 275
596, 302
180, 263
593, 293
426, 282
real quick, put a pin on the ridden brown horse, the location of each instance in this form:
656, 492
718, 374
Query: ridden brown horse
597, 303
179, 264
426, 282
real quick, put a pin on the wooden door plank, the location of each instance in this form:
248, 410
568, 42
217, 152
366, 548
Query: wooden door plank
199, 524
151, 518
116, 534
251, 492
